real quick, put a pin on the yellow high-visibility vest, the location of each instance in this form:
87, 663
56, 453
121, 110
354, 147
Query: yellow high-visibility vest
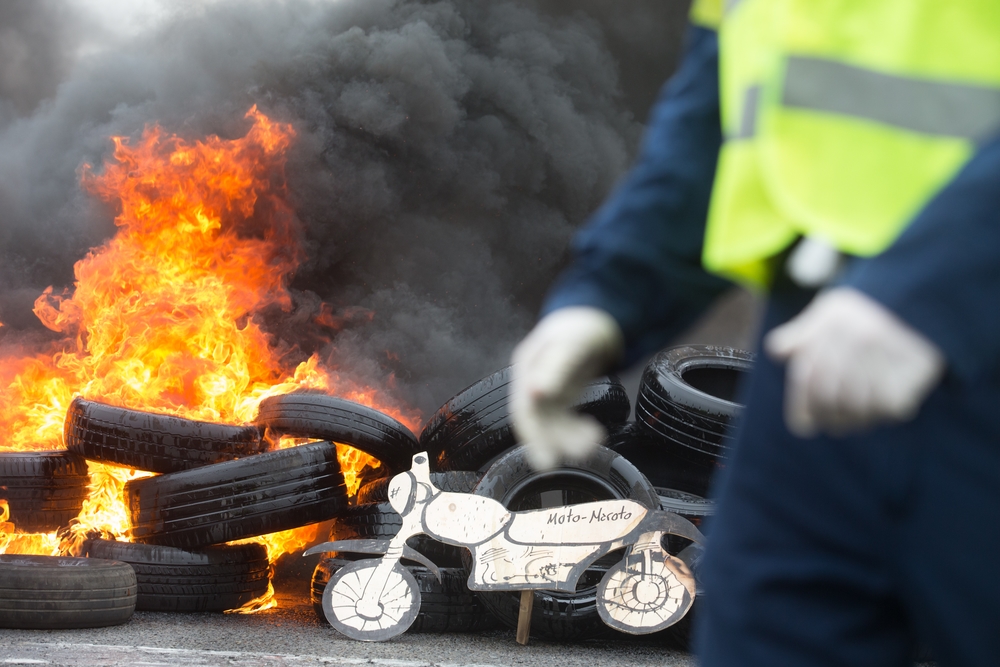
842, 118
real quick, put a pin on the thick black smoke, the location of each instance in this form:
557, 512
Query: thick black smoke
445, 153
36, 50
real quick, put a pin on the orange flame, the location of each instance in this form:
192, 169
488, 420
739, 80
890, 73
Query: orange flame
162, 315
46, 544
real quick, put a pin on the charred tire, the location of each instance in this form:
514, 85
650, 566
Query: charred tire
453, 481
445, 606
52, 592
475, 426
378, 521
229, 501
687, 397
515, 484
329, 418
215, 579
153, 442
43, 490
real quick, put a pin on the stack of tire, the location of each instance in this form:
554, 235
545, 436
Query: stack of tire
214, 483
41, 491
685, 407
473, 448
681, 436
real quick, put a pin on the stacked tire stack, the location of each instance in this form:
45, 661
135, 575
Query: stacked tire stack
214, 483
680, 437
472, 434
40, 492
686, 406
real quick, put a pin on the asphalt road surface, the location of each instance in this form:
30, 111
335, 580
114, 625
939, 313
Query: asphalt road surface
292, 635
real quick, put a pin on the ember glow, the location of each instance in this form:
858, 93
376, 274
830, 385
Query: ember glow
161, 316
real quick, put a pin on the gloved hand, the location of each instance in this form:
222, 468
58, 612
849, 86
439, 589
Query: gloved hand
567, 348
851, 363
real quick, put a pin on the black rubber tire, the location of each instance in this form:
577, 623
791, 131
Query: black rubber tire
664, 462
445, 606
379, 521
311, 415
228, 501
475, 427
453, 481
53, 592
515, 484
692, 507
43, 490
687, 396
367, 521
214, 579
154, 442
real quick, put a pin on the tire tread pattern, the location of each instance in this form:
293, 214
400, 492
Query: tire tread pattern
43, 489
214, 579
228, 501
311, 415
153, 442
52, 592
673, 410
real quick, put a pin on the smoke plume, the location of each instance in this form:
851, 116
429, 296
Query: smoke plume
445, 153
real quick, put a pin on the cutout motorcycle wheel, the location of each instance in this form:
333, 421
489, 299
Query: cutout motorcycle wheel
650, 590
445, 606
398, 605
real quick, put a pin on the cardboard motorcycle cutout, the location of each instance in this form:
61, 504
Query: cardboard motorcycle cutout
377, 598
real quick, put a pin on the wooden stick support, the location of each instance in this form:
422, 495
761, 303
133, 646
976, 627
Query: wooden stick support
524, 617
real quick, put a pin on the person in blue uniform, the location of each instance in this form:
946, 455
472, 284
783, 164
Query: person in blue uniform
860, 511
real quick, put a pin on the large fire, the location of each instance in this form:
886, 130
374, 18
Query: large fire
162, 315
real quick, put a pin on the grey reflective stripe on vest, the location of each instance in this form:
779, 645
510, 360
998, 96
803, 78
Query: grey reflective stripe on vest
931, 107
731, 5
748, 115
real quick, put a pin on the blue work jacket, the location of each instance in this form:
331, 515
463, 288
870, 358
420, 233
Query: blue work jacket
639, 256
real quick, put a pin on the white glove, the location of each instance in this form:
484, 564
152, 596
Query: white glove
569, 347
851, 364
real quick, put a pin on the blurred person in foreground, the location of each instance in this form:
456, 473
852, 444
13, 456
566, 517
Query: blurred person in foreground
841, 155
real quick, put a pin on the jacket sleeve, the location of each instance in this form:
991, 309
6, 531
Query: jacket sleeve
639, 256
942, 275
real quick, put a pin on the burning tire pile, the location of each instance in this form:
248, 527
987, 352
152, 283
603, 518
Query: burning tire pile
216, 484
